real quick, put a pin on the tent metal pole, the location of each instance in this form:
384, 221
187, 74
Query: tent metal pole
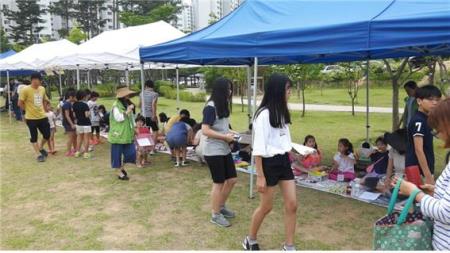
127, 78
178, 89
89, 79
142, 87
249, 94
78, 77
9, 96
367, 101
60, 84
255, 87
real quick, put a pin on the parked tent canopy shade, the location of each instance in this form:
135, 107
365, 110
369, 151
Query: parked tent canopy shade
117, 49
314, 31
34, 56
10, 53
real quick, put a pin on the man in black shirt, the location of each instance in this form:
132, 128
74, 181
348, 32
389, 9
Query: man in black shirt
419, 150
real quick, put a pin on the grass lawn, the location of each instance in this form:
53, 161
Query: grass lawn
69, 203
378, 96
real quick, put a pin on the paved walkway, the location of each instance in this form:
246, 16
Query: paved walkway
329, 108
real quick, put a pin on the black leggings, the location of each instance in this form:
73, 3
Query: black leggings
42, 125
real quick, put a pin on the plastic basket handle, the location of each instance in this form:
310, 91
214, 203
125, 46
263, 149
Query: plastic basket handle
394, 196
407, 206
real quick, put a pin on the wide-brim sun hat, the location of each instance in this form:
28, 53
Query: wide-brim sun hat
125, 91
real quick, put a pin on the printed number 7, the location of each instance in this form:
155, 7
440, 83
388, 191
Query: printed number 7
418, 126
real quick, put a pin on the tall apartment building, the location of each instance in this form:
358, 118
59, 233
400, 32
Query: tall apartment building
205, 11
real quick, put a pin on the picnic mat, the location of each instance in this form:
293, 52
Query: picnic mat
337, 188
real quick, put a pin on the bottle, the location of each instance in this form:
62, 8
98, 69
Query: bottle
340, 177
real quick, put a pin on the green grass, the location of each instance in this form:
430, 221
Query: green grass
378, 96
69, 204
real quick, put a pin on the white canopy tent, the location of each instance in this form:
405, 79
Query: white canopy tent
34, 56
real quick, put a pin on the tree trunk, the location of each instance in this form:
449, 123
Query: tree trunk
303, 99
353, 106
432, 71
321, 88
395, 105
298, 89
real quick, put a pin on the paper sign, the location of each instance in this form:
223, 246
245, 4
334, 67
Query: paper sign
143, 142
370, 196
302, 149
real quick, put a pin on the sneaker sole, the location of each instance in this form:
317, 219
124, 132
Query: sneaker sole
243, 245
220, 225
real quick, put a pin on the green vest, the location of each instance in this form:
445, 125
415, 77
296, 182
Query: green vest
121, 132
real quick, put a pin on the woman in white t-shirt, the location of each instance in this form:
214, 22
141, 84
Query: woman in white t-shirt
272, 143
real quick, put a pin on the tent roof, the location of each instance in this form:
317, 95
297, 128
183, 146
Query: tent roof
7, 53
312, 31
33, 56
117, 49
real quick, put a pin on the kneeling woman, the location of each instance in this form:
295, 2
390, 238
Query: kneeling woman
272, 143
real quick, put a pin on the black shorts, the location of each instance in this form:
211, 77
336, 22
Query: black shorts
222, 168
42, 125
95, 129
277, 168
151, 124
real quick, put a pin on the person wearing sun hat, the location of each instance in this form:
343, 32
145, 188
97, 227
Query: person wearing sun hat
121, 132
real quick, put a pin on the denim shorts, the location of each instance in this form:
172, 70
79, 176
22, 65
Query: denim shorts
127, 151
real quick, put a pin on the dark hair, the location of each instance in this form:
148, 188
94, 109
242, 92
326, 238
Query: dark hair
81, 94
149, 83
185, 112
220, 97
36, 76
163, 117
428, 91
140, 118
26, 82
381, 138
95, 94
87, 91
70, 92
410, 85
310, 137
347, 144
102, 107
439, 119
365, 144
275, 100
196, 128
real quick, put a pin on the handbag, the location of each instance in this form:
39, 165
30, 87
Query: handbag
403, 230
370, 168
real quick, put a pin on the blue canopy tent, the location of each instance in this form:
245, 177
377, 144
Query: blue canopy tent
14, 72
314, 31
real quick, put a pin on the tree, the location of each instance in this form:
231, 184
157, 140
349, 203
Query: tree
65, 9
144, 12
76, 35
5, 45
301, 75
27, 18
88, 16
396, 71
352, 74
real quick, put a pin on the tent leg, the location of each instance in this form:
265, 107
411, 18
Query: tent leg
367, 101
249, 94
142, 87
127, 78
78, 77
255, 87
60, 85
89, 79
9, 96
178, 89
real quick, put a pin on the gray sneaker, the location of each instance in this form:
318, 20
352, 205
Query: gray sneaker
227, 213
288, 248
220, 220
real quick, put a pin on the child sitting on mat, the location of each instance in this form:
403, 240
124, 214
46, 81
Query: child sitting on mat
343, 162
309, 162
142, 132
